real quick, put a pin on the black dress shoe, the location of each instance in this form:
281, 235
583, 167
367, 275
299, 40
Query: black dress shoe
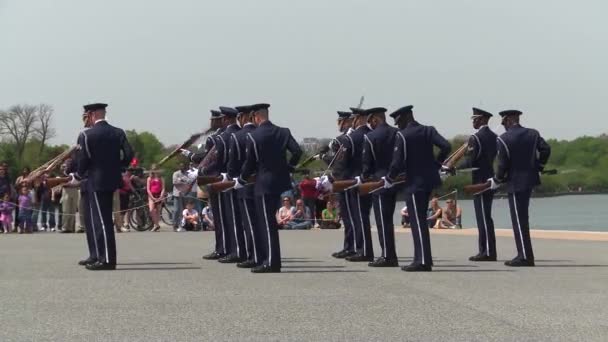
359, 258
230, 259
101, 266
417, 268
265, 269
338, 255
519, 263
383, 262
212, 256
246, 264
80, 231
482, 258
88, 261
66, 232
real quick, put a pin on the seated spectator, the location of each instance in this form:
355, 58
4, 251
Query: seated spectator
285, 213
330, 217
434, 214
452, 215
189, 218
405, 217
302, 217
208, 218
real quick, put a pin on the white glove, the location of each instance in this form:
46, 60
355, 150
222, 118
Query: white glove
237, 185
387, 184
443, 175
186, 153
73, 180
323, 184
358, 182
224, 177
493, 184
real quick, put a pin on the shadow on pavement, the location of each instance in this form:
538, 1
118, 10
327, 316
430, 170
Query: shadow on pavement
456, 266
306, 266
466, 271
302, 261
154, 263
156, 268
571, 266
325, 271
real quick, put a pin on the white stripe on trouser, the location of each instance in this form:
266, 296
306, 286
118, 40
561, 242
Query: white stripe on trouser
521, 236
362, 228
219, 201
103, 227
383, 228
267, 230
236, 235
419, 230
255, 253
93, 227
485, 225
350, 216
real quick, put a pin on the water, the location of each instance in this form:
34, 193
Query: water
580, 212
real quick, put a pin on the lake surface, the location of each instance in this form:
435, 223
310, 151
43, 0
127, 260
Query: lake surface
576, 212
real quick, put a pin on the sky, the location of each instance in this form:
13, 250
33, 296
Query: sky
162, 65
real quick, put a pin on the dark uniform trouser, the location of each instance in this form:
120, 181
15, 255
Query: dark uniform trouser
485, 224
248, 219
350, 241
88, 227
519, 203
218, 222
384, 207
417, 207
267, 230
361, 207
232, 221
103, 225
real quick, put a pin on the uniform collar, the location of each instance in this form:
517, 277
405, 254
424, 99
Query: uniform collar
413, 123
266, 123
99, 120
249, 124
482, 127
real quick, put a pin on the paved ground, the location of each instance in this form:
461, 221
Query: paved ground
163, 291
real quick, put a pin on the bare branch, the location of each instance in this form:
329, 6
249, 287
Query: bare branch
44, 130
18, 124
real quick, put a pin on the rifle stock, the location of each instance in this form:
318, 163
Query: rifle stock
369, 187
223, 186
53, 182
476, 188
205, 180
341, 185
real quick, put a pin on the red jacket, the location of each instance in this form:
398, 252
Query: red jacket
308, 188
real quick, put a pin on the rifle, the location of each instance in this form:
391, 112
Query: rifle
477, 188
341, 185
193, 138
369, 187
223, 186
206, 180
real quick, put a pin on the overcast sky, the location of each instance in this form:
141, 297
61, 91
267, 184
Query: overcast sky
161, 65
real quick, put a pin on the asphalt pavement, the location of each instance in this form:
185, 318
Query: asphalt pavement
163, 291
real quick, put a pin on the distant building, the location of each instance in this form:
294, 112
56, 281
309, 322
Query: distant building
312, 145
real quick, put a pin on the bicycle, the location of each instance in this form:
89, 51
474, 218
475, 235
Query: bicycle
138, 215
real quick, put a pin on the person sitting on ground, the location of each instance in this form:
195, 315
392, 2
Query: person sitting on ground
189, 218
285, 213
405, 218
207, 215
452, 215
302, 218
434, 213
330, 217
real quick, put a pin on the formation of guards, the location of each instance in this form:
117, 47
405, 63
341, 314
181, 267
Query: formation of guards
254, 159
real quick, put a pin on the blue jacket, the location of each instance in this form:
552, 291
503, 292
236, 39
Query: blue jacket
481, 152
413, 157
237, 157
522, 154
266, 158
378, 151
339, 158
104, 154
215, 146
73, 167
357, 139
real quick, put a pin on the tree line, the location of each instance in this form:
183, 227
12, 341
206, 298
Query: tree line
25, 132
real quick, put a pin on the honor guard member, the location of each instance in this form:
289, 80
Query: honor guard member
377, 156
360, 205
522, 155
266, 158
244, 196
338, 161
233, 230
84, 198
212, 144
481, 152
105, 153
413, 157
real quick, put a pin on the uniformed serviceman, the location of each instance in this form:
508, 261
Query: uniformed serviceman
377, 156
84, 198
481, 152
266, 158
105, 153
360, 205
245, 196
413, 157
522, 155
338, 161
211, 168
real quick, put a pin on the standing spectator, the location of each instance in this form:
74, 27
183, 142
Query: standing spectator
24, 173
208, 217
405, 217
25, 212
124, 193
6, 213
69, 202
285, 213
190, 218
308, 191
183, 183
155, 187
47, 211
302, 218
330, 217
55, 209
